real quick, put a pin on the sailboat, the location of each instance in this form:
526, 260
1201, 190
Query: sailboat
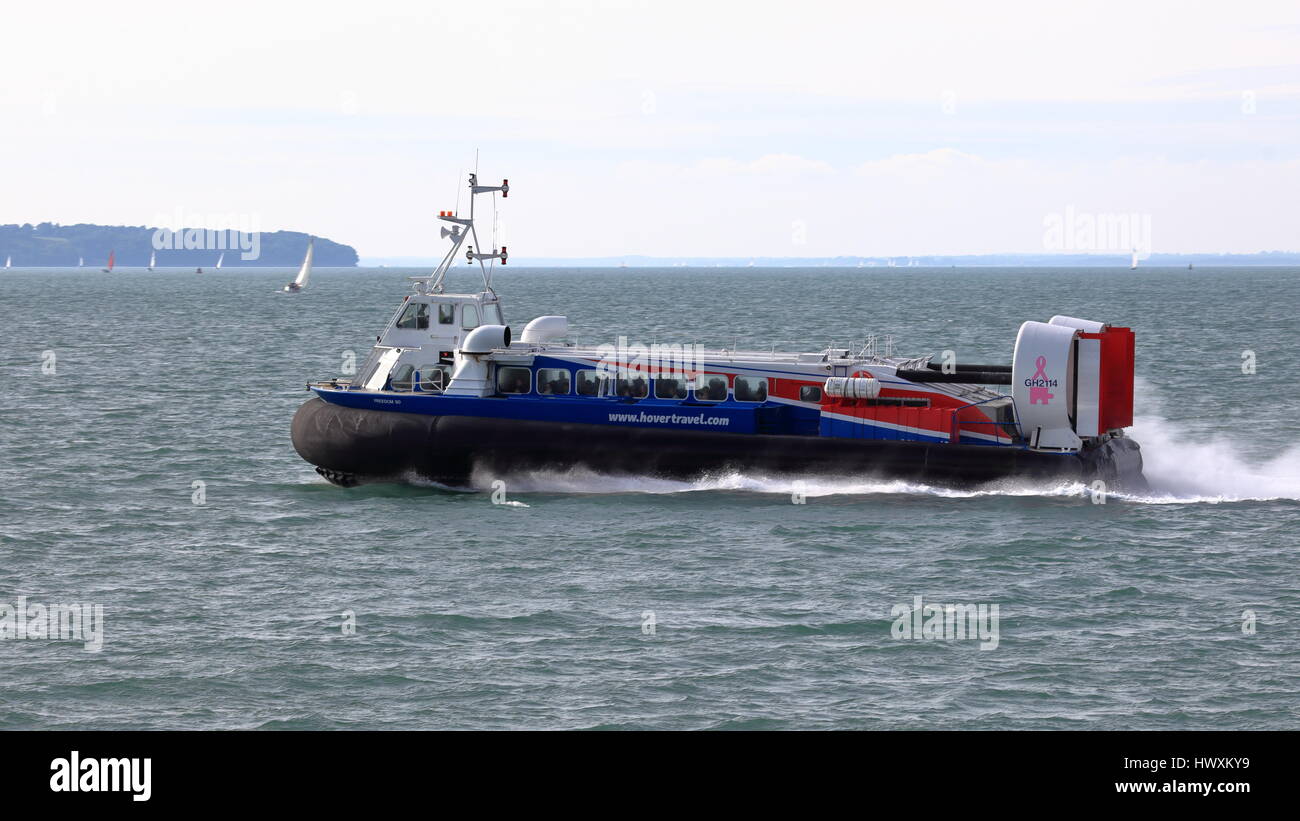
109, 269
1133, 264
9, 262
81, 262
153, 259
300, 281
220, 259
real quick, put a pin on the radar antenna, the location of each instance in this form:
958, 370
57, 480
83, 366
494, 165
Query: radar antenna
463, 228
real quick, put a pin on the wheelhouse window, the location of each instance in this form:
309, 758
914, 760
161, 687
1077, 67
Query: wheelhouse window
590, 382
672, 386
751, 389
492, 314
711, 387
434, 377
553, 381
446, 313
415, 317
469, 317
810, 393
631, 386
514, 380
401, 380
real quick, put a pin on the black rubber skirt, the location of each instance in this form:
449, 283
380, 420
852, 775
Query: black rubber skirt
349, 446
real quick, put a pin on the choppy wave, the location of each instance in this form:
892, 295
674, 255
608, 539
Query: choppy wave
1182, 466
586, 481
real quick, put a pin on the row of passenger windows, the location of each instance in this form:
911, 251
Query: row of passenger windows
416, 315
556, 381
559, 382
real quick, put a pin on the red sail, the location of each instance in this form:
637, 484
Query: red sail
110, 260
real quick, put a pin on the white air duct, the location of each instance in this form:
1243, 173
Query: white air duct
1042, 376
544, 329
484, 338
471, 375
1085, 325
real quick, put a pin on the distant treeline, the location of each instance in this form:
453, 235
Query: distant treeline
52, 245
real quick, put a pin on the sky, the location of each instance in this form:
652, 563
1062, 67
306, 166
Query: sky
664, 128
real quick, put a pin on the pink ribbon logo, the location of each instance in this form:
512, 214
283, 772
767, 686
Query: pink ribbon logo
1039, 394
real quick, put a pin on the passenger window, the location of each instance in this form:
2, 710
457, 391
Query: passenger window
751, 389
590, 383
492, 314
434, 377
673, 387
469, 317
415, 317
446, 313
631, 386
402, 377
553, 381
810, 393
710, 387
513, 380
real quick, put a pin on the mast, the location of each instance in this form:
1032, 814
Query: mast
463, 228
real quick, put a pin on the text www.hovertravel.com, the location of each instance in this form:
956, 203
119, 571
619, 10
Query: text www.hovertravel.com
670, 418
1194, 787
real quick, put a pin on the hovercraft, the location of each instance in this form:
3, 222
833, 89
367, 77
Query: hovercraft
449, 393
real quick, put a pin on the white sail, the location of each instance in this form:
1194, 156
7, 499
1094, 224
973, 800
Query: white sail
305, 271
9, 262
1134, 263
153, 259
219, 260
81, 262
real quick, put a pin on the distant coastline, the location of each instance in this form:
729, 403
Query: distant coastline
517, 259
50, 245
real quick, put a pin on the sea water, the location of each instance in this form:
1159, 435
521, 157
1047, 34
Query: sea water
146, 470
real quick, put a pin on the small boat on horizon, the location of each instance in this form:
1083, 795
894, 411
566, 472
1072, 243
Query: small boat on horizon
1133, 263
9, 262
300, 281
153, 259
109, 269
220, 260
